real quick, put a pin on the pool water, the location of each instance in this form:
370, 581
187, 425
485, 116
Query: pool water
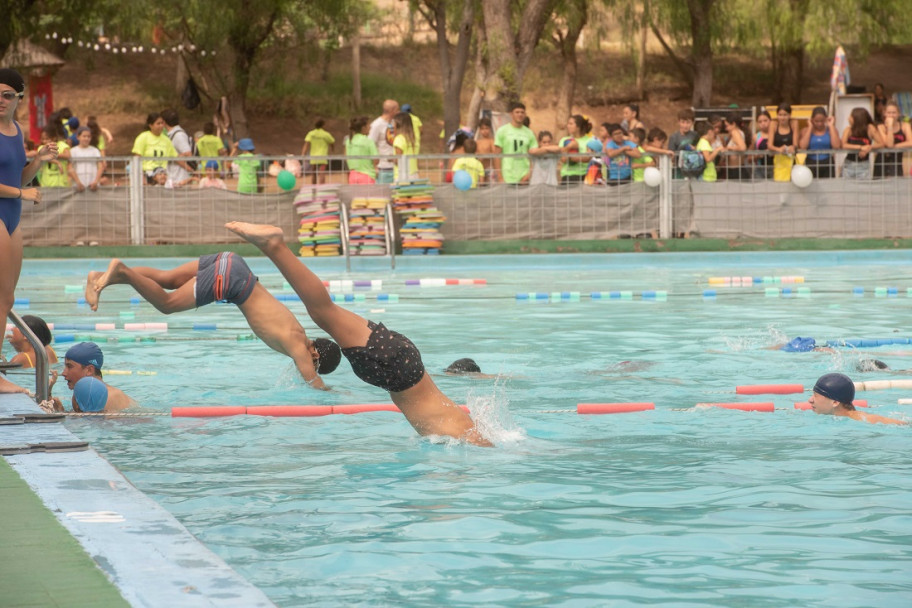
680, 506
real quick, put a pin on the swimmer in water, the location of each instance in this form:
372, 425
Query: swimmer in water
380, 357
833, 395
224, 277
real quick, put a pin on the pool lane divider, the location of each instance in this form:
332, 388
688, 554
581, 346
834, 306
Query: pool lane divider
804, 405
576, 296
751, 281
284, 411
769, 389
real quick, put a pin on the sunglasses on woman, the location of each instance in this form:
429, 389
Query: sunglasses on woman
11, 95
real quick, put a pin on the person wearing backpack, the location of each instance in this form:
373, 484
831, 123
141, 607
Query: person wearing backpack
179, 171
709, 154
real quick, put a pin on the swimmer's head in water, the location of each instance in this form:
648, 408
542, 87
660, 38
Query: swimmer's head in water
837, 387
91, 394
330, 355
463, 366
870, 365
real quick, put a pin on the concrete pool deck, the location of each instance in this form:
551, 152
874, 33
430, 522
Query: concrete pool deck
77, 533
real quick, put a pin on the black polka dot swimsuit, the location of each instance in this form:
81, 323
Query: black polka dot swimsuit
389, 360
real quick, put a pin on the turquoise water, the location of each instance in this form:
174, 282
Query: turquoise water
700, 507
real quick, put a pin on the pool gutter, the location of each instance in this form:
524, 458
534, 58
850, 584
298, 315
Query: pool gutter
150, 558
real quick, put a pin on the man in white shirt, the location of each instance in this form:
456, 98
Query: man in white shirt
381, 132
180, 171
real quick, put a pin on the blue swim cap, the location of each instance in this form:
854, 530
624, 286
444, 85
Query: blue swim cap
91, 394
86, 353
837, 387
594, 145
800, 345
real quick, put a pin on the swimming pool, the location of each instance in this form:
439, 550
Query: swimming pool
668, 507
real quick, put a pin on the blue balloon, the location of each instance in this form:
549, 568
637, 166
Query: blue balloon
462, 180
594, 145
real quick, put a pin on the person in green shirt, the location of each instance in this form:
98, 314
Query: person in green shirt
573, 171
318, 143
210, 145
470, 164
248, 166
361, 170
638, 136
514, 138
54, 174
707, 134
153, 144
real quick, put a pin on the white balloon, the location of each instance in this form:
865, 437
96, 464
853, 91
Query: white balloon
802, 176
652, 177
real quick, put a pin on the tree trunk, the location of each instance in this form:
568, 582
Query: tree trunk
453, 62
641, 53
566, 42
701, 53
356, 68
788, 67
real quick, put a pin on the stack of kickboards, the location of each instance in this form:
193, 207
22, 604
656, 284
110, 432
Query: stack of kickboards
421, 220
319, 232
367, 226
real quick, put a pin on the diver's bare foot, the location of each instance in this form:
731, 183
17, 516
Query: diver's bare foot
110, 276
7, 387
92, 292
261, 235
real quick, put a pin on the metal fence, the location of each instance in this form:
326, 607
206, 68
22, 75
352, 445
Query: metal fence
746, 200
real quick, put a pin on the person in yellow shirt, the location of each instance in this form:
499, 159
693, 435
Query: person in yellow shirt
318, 143
416, 126
210, 145
55, 174
153, 146
404, 144
470, 164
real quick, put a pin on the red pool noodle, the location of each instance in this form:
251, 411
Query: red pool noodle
206, 412
804, 405
769, 389
358, 408
612, 408
766, 406
290, 410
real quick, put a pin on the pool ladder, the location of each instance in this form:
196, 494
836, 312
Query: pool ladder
42, 387
389, 237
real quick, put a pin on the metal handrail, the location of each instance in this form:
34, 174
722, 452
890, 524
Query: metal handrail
42, 388
344, 236
390, 235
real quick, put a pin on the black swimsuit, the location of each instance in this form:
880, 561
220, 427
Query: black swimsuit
389, 360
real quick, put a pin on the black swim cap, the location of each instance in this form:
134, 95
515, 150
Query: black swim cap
870, 365
463, 366
12, 79
837, 387
330, 355
38, 327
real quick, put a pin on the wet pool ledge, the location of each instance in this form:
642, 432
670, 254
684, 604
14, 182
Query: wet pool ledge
77, 533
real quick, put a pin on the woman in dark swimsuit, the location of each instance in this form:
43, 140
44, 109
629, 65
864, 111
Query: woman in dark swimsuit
782, 136
860, 138
896, 135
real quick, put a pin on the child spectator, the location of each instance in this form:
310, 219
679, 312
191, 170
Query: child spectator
631, 114
209, 145
470, 164
707, 134
361, 170
820, 134
685, 135
545, 158
404, 144
896, 135
212, 179
575, 162
484, 138
880, 102
86, 166
638, 137
736, 145
457, 148
619, 151
860, 138
54, 174
318, 143
101, 137
782, 139
657, 142
761, 143
247, 165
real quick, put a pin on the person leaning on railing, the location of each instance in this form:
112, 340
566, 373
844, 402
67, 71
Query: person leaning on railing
897, 137
820, 134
